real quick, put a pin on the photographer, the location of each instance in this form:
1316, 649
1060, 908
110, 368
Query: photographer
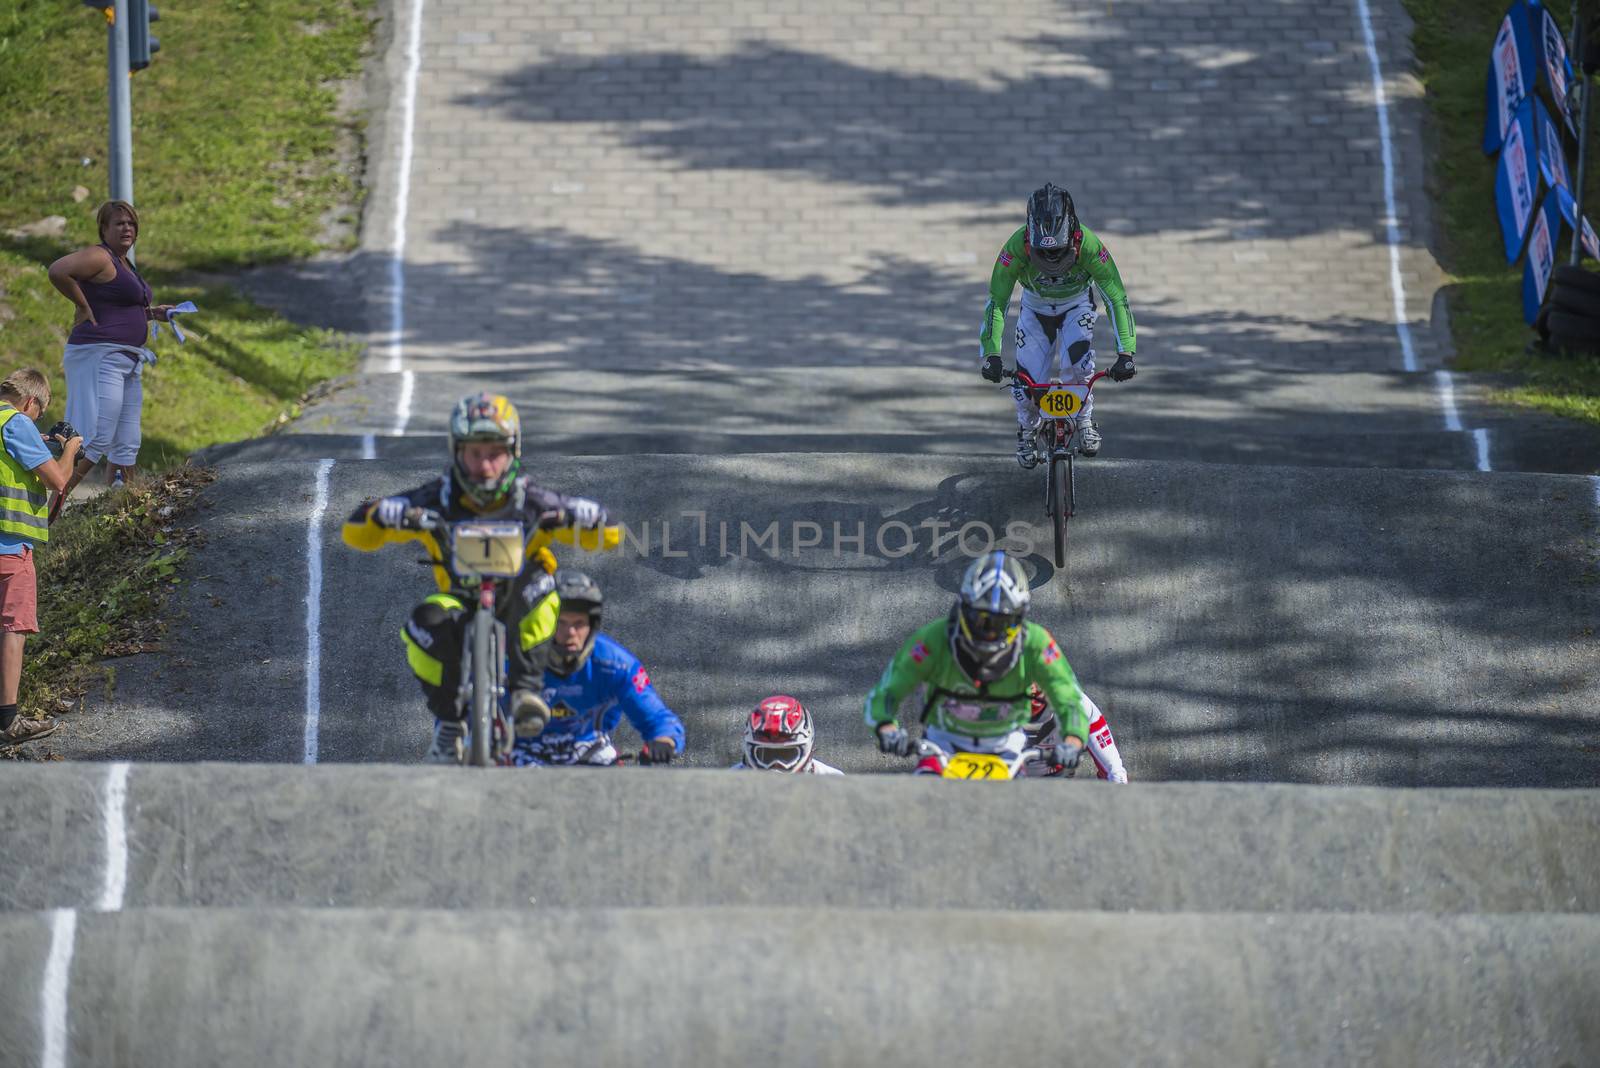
27, 470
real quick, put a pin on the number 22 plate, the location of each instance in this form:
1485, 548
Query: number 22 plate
975, 766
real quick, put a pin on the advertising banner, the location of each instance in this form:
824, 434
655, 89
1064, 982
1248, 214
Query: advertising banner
1557, 69
1541, 256
1569, 212
1512, 72
1516, 183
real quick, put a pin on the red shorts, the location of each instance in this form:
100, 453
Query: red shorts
19, 594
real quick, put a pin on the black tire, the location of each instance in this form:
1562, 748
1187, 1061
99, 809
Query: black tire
1575, 330
1059, 469
1574, 301
1576, 279
481, 730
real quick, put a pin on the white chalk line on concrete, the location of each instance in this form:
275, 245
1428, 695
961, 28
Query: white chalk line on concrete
408, 384
116, 826
53, 996
1391, 219
314, 613
408, 114
1480, 438
397, 264
1447, 398
1452, 419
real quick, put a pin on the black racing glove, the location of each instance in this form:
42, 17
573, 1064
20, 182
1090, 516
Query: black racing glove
992, 366
895, 741
1123, 369
657, 751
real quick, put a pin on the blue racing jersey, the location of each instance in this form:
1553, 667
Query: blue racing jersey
592, 700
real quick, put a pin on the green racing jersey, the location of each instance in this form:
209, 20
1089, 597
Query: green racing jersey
1094, 264
954, 702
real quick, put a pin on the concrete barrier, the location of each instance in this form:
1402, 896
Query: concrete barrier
779, 987
227, 835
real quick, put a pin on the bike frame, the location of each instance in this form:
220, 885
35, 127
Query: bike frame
1064, 433
488, 733
1064, 429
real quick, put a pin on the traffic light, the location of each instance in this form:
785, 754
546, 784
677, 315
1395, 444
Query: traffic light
141, 13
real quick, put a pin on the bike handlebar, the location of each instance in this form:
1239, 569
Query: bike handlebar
924, 748
1029, 383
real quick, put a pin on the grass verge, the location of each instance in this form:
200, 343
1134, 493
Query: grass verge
1452, 41
103, 579
241, 156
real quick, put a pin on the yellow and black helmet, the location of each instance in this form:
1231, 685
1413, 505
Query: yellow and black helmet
485, 417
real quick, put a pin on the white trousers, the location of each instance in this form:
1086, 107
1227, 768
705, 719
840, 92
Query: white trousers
1073, 341
105, 399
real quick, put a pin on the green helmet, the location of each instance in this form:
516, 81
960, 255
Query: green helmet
485, 417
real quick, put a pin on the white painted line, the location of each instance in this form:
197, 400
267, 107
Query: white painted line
408, 113
1480, 437
1447, 397
1391, 219
57, 974
1594, 480
116, 883
314, 613
369, 446
402, 410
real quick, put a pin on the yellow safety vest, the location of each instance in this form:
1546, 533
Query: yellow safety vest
24, 504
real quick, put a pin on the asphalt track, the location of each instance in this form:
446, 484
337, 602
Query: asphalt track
1236, 622
1309, 564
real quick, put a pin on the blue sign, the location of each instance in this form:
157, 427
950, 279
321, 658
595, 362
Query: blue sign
1541, 256
1512, 72
1516, 183
1557, 68
1552, 159
1569, 212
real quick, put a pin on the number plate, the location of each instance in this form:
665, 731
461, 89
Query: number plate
976, 766
492, 550
1060, 403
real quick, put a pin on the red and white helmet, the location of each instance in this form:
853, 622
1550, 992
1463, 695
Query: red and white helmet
777, 735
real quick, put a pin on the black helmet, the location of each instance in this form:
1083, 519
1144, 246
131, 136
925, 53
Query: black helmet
577, 593
1054, 236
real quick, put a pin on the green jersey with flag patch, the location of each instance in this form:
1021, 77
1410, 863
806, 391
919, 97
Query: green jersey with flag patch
1094, 264
954, 702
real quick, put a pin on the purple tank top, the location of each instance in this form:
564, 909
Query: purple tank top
119, 307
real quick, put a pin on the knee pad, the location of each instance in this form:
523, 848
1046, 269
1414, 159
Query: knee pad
433, 649
1078, 350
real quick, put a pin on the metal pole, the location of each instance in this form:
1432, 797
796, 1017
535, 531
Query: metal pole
1583, 147
121, 147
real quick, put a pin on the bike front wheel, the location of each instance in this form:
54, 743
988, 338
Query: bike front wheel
1061, 495
481, 729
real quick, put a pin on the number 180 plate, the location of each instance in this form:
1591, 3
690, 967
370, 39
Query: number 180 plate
1060, 403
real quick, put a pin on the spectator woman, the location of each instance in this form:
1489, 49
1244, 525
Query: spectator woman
105, 354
